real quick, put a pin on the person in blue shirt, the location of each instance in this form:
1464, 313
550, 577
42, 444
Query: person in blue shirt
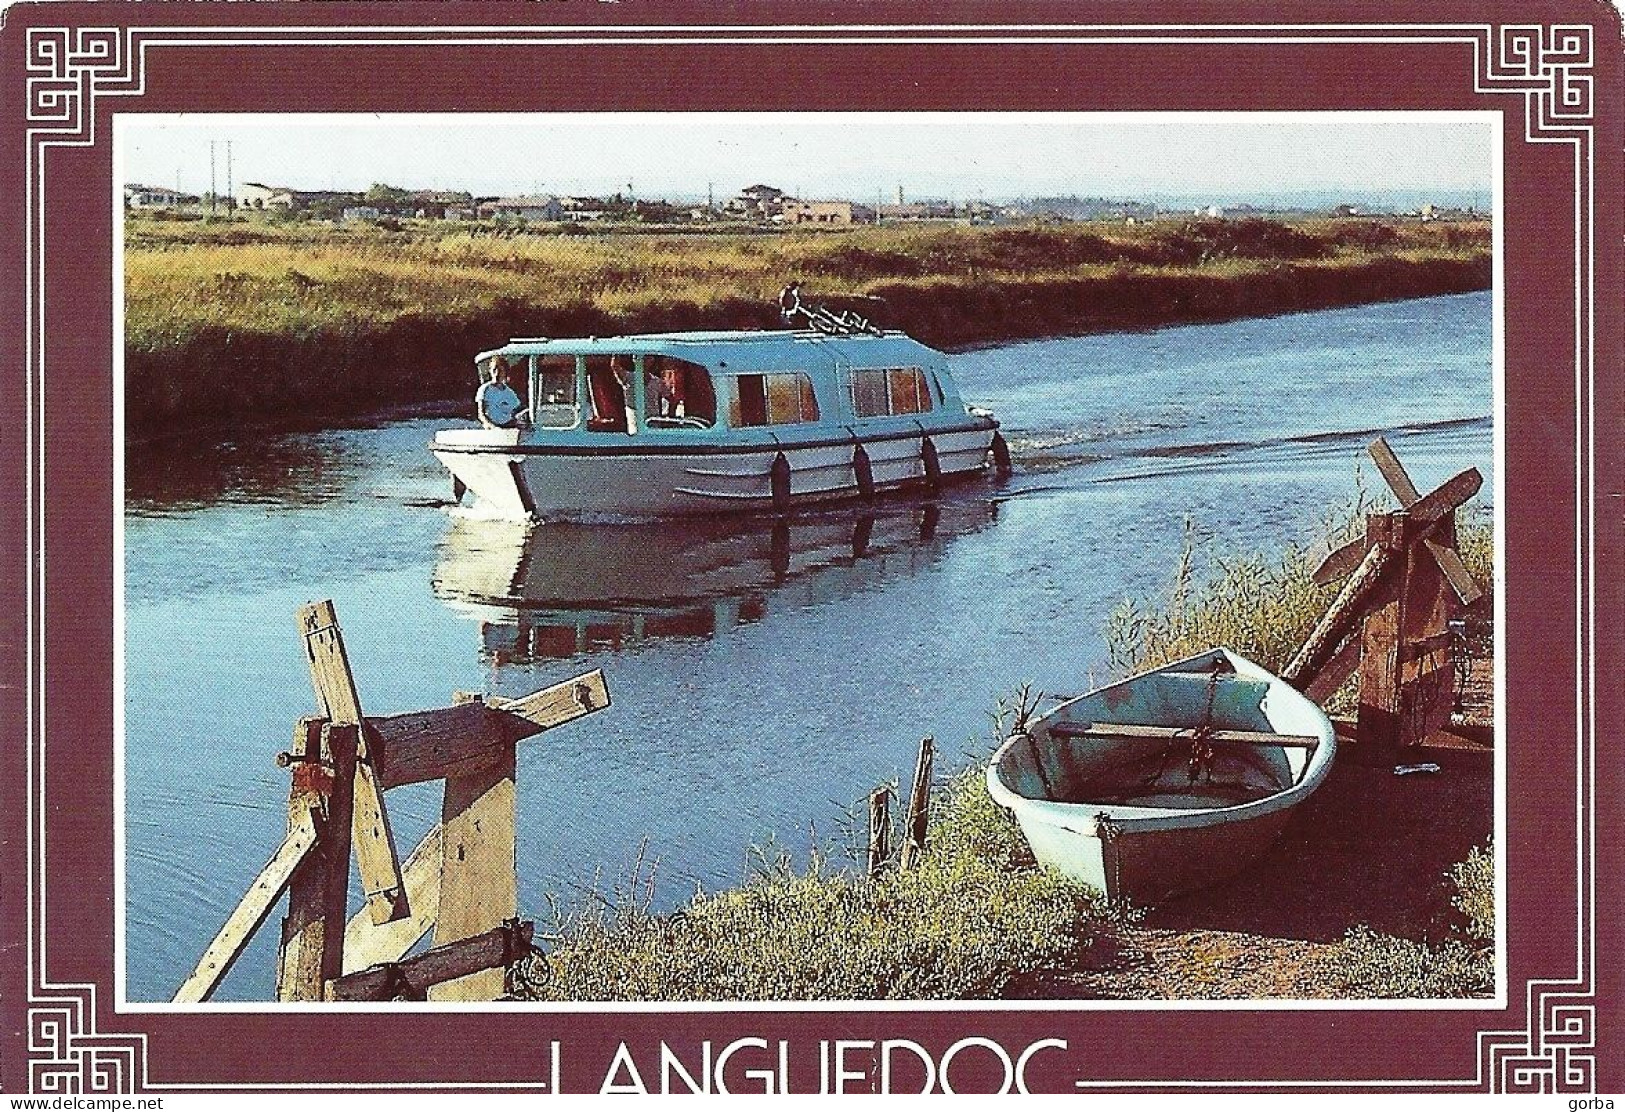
496, 403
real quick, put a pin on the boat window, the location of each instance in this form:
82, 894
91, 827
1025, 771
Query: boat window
605, 374
892, 391
556, 393
678, 394
869, 394
772, 399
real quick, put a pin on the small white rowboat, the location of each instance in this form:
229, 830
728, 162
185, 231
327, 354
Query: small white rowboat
1167, 781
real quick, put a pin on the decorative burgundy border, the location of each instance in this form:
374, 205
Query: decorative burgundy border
144, 59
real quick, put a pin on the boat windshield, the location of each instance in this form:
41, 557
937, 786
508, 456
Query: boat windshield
555, 393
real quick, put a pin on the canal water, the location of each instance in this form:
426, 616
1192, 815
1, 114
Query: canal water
762, 680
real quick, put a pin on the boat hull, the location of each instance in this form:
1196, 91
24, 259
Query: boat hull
664, 477
1132, 816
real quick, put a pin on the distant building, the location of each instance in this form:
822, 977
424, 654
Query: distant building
254, 195
436, 204
156, 197
360, 212
759, 202
530, 209
916, 210
828, 213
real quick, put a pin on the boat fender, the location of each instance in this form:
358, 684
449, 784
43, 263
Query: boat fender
779, 480
1001, 455
864, 472
933, 466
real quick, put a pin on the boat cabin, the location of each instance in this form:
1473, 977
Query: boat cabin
690, 382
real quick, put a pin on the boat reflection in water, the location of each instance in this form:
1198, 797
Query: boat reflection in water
554, 591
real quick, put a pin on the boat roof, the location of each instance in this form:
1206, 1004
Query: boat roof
755, 350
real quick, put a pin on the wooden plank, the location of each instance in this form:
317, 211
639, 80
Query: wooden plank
367, 943
879, 830
479, 887
312, 918
1455, 572
1444, 499
919, 806
1339, 617
563, 702
1378, 714
1393, 473
371, 836
489, 951
1118, 731
1425, 516
1335, 672
245, 919
329, 664
447, 741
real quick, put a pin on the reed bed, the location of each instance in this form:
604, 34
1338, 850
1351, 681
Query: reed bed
308, 322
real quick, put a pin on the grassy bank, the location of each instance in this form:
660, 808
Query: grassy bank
310, 322
973, 914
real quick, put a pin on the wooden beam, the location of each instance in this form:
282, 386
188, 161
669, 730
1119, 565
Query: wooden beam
1393, 473
919, 806
448, 741
1335, 672
316, 904
1424, 515
374, 841
490, 951
1119, 731
1378, 717
367, 943
879, 830
479, 886
1455, 572
1345, 608
246, 918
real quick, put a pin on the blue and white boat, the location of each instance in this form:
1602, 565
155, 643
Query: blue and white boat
689, 423
1167, 781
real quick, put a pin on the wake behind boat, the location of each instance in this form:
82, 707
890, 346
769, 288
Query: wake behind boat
1167, 781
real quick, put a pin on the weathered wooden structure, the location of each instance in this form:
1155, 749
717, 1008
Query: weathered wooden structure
460, 881
1405, 581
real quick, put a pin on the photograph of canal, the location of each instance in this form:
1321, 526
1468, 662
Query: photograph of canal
1212, 344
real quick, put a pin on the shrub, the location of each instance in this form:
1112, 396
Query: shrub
971, 916
1474, 879
1366, 963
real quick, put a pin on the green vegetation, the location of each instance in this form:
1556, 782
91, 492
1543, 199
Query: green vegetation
309, 320
1261, 606
972, 915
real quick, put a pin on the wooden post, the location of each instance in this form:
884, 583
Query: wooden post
316, 901
382, 885
919, 805
1378, 718
479, 885
879, 829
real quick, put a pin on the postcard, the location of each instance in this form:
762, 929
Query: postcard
595, 547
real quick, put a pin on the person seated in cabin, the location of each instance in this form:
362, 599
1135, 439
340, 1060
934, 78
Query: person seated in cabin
659, 399
496, 403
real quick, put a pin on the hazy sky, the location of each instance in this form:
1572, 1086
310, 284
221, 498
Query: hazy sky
959, 156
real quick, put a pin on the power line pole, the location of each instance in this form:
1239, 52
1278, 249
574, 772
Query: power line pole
211, 177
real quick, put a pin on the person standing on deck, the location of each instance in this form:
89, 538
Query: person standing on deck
495, 402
